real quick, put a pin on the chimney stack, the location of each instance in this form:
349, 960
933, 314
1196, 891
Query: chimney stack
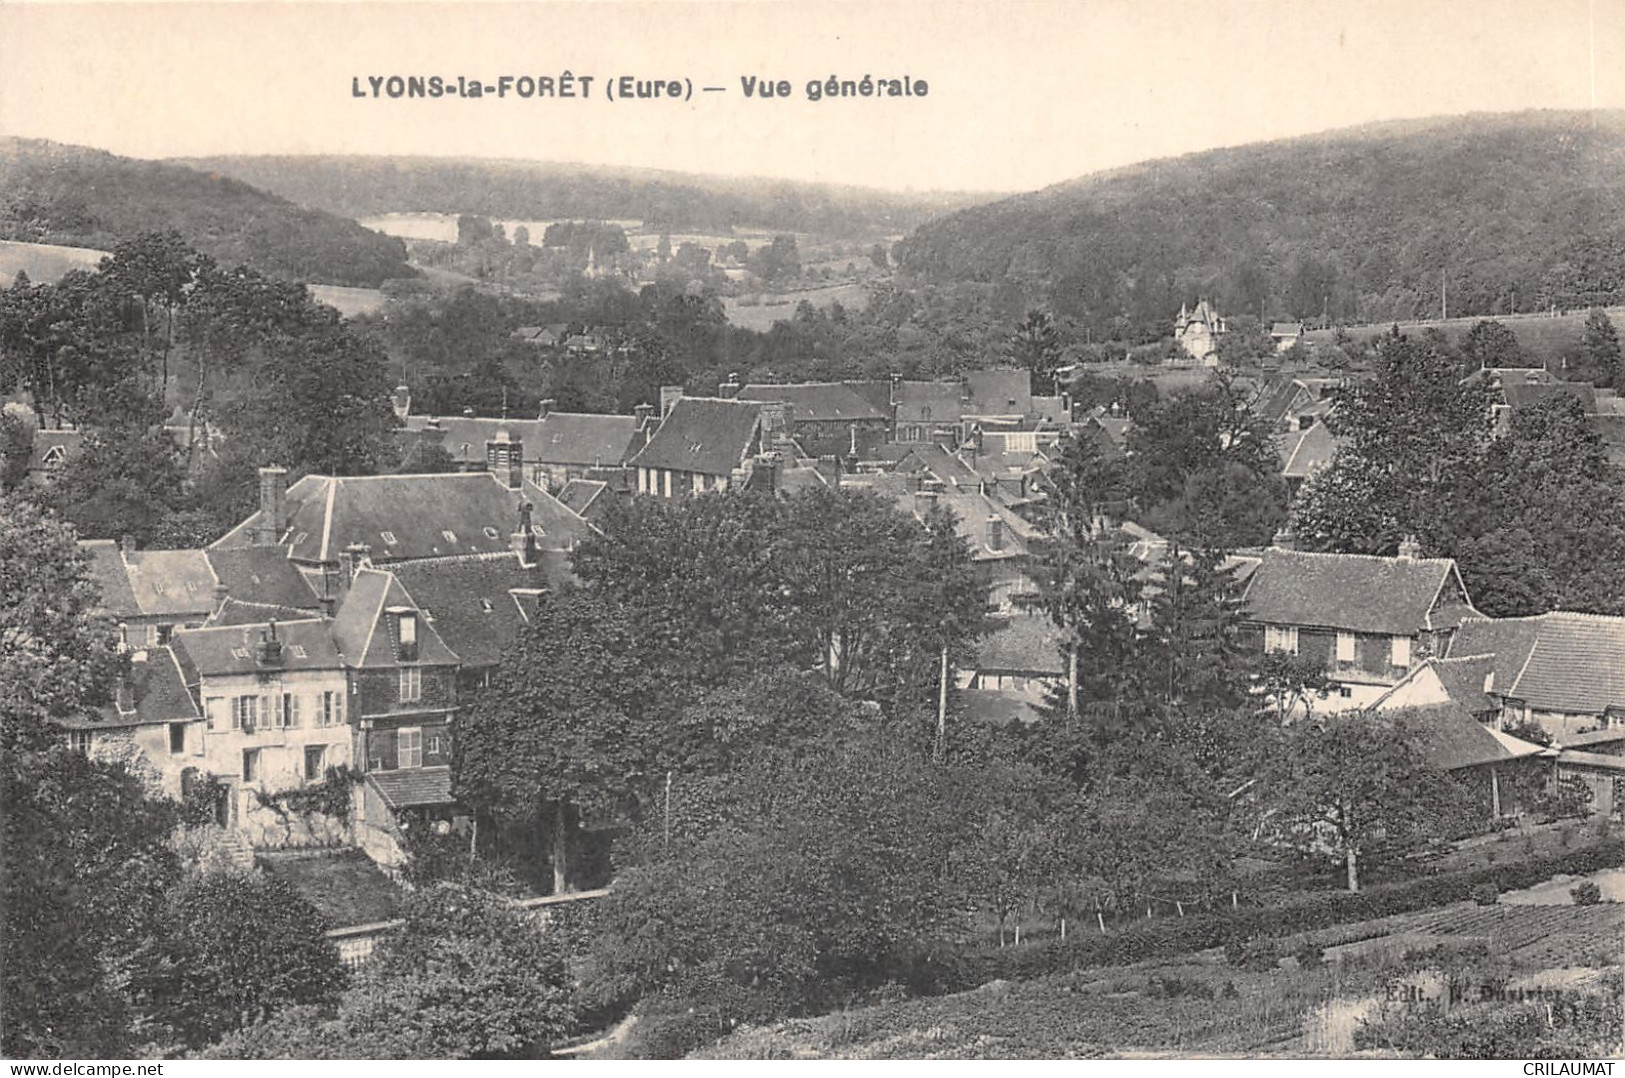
547, 408
505, 457
995, 533
729, 390
401, 402
523, 541
643, 413
924, 502
273, 505
126, 544
669, 395
354, 558
124, 692
1409, 549
1285, 539
269, 650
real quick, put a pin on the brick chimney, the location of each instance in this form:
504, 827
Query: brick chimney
547, 408
523, 541
1285, 539
273, 506
401, 401
124, 690
1410, 549
995, 533
126, 545
643, 413
505, 457
355, 557
669, 395
765, 472
729, 390
775, 423
924, 502
268, 652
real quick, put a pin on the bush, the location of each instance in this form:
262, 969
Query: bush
1587, 894
1486, 894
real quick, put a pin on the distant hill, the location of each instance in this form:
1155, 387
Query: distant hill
367, 186
70, 195
1366, 224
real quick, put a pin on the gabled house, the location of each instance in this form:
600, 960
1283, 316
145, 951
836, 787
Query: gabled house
1563, 671
1198, 332
553, 448
706, 444
479, 605
1368, 619
824, 418
1017, 665
1285, 334
1305, 452
151, 593
153, 724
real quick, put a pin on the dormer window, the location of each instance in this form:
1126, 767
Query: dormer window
239, 653
388, 537
451, 536
299, 652
406, 622
492, 533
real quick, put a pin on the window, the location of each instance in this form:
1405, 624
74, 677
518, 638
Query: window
177, 738
251, 765
299, 651
411, 684
287, 711
1345, 647
239, 653
492, 533
388, 537
245, 712
436, 746
79, 741
332, 708
409, 634
164, 632
409, 746
1345, 692
451, 536
1401, 651
212, 707
315, 761
1281, 638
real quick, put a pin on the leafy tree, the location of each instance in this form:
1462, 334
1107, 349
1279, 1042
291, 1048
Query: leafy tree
57, 656
1491, 344
16, 446
878, 257
124, 481
1598, 361
85, 863
1036, 346
233, 948
1331, 792
469, 976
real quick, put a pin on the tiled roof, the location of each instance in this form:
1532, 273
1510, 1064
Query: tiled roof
706, 435
368, 637
1563, 662
930, 402
1024, 644
471, 601
262, 575
159, 691
411, 786
1463, 680
238, 612
171, 582
564, 438
108, 573
814, 402
1452, 738
306, 645
1352, 592
404, 517
877, 392
1286, 329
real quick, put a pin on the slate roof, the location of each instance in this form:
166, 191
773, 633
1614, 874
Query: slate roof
411, 786
1025, 644
170, 582
1286, 329
159, 691
1528, 394
876, 391
345, 886
999, 392
239, 612
404, 517
1351, 592
1305, 452
367, 637
578, 495
306, 645
816, 402
1562, 662
707, 435
1463, 680
471, 602
262, 575
929, 402
563, 438
108, 573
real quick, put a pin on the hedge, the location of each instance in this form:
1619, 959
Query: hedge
1184, 935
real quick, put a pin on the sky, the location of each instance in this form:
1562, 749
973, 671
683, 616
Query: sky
1020, 93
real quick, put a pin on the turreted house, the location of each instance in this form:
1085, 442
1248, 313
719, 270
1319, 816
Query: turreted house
1199, 331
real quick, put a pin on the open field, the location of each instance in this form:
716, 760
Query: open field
348, 301
44, 262
781, 306
1542, 335
1201, 1004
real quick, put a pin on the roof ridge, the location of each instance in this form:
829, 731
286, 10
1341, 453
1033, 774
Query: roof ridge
1585, 615
1385, 558
236, 628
